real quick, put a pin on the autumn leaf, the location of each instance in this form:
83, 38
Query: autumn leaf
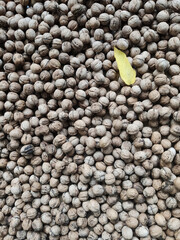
127, 73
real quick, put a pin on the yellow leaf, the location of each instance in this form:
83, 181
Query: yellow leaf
127, 73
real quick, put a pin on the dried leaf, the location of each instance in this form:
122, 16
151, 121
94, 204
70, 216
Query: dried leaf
127, 73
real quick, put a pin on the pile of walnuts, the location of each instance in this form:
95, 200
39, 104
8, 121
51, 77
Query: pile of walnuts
83, 156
